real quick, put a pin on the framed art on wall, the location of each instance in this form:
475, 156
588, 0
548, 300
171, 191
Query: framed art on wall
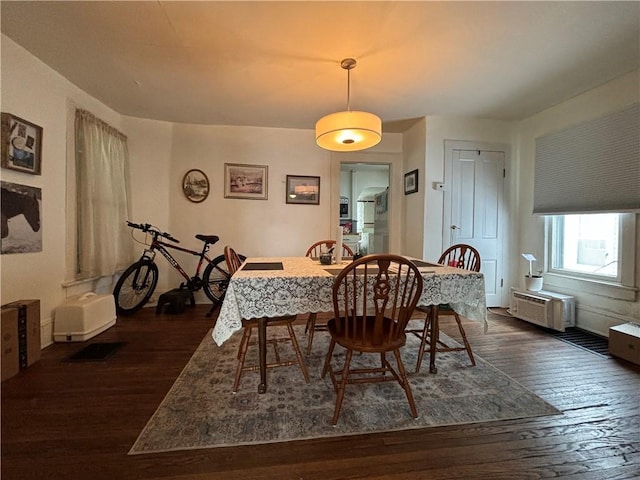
246, 181
303, 190
411, 182
21, 218
21, 144
195, 185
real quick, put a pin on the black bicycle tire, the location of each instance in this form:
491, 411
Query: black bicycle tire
216, 296
130, 310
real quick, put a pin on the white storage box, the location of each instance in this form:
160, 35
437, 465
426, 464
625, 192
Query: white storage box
83, 317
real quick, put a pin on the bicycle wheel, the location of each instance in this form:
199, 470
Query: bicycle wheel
215, 279
135, 287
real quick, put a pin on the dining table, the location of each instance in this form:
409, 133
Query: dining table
267, 287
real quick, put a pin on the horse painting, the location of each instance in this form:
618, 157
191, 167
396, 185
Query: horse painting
16, 203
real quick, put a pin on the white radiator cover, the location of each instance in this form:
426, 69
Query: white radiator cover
547, 309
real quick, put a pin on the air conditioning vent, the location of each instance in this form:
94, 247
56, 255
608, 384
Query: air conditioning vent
547, 309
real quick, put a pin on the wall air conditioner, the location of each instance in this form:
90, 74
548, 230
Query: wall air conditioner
547, 309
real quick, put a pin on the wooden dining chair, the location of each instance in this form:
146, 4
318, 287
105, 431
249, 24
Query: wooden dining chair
233, 264
317, 248
314, 252
373, 300
459, 256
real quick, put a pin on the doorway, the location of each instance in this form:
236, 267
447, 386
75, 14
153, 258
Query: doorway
364, 212
393, 161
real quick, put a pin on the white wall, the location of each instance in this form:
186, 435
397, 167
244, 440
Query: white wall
596, 310
252, 227
33, 91
439, 129
414, 148
149, 144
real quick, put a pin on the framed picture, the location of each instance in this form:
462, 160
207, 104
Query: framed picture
411, 182
21, 218
21, 144
195, 185
303, 190
246, 181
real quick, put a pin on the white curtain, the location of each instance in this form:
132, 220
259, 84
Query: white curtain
102, 159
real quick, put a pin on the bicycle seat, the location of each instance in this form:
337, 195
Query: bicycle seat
208, 238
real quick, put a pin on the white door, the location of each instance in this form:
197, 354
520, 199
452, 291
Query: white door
474, 211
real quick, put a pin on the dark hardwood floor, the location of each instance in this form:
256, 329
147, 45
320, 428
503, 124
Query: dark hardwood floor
71, 421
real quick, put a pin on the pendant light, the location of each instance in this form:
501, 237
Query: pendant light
348, 131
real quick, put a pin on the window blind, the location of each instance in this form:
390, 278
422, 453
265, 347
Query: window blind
591, 167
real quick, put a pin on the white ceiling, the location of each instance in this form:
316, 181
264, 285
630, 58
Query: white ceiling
276, 64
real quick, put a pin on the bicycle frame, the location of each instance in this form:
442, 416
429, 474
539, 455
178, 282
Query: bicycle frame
149, 254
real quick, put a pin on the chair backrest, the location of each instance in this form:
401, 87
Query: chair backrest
324, 246
232, 259
385, 286
461, 256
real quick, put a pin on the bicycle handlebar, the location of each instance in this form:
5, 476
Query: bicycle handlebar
146, 227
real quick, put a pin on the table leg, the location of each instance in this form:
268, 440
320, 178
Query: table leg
262, 351
435, 333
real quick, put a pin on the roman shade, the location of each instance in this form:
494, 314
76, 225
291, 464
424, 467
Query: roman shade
591, 167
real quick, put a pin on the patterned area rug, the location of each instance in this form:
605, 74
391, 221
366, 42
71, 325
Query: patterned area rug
201, 412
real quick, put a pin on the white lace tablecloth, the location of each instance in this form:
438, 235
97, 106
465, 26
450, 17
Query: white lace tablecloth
304, 285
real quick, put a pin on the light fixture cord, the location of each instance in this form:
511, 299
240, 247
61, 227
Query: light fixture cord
348, 89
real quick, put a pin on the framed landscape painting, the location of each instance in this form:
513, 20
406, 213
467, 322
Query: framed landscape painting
246, 181
303, 190
195, 185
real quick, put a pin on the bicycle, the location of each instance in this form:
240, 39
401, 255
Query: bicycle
138, 282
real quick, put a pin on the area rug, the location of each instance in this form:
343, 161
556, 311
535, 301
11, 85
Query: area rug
200, 411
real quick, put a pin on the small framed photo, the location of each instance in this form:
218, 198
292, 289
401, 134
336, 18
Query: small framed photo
411, 182
195, 185
21, 144
246, 181
303, 190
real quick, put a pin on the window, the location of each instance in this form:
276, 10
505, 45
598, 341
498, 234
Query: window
593, 246
103, 245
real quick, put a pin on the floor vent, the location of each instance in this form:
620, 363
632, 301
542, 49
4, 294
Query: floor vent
96, 352
585, 340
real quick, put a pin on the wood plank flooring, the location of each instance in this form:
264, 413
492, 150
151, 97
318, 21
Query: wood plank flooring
74, 421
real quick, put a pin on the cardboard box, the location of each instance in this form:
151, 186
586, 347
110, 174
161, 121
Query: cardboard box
624, 342
10, 358
29, 345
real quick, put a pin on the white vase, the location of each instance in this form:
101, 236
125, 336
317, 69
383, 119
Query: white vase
533, 284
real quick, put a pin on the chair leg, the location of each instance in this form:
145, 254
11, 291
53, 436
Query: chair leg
405, 383
434, 338
296, 347
309, 330
467, 346
242, 353
341, 387
327, 359
423, 340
